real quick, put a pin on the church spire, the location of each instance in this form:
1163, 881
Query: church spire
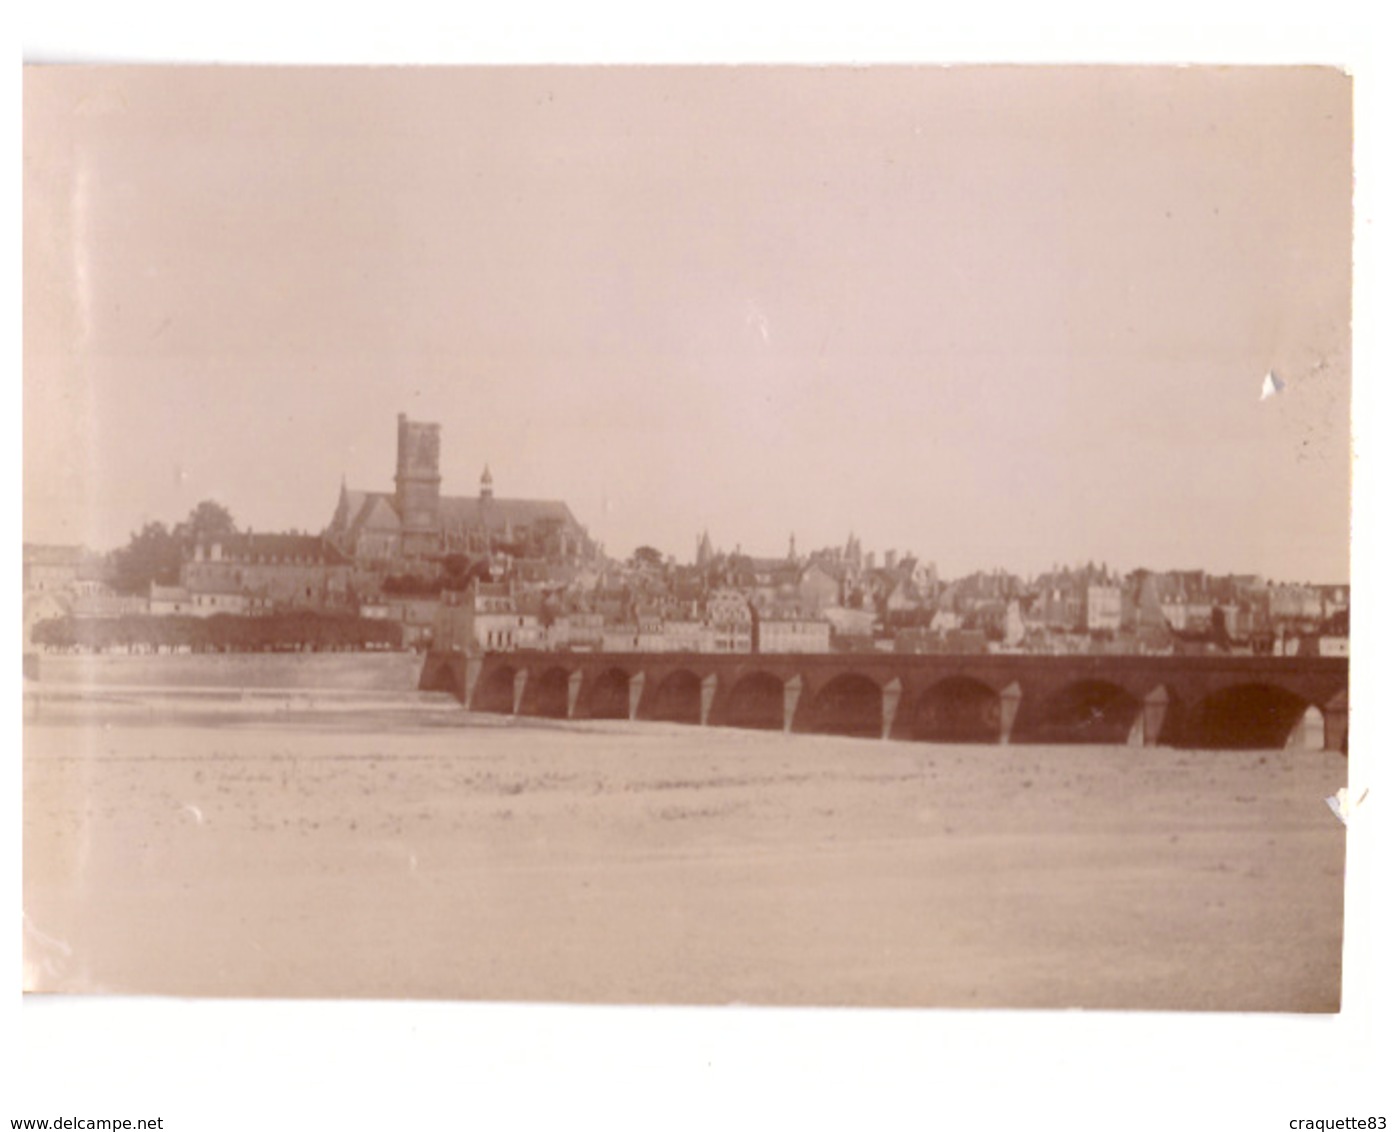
487, 484
705, 551
342, 505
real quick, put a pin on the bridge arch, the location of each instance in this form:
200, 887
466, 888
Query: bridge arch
958, 709
547, 694
850, 704
678, 698
1248, 716
1088, 711
609, 697
439, 674
495, 692
757, 702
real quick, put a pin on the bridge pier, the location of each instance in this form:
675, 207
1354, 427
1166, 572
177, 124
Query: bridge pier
636, 690
1336, 723
708, 691
1009, 700
521, 681
474, 665
892, 693
574, 691
1153, 709
791, 702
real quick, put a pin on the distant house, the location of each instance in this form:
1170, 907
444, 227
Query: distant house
1140, 606
850, 622
688, 636
252, 572
1103, 608
219, 599
418, 617
1294, 603
1334, 599
484, 617
901, 596
620, 638
793, 635
818, 589
578, 630
944, 620
43, 605
1014, 628
51, 568
1175, 614
967, 641
167, 600
730, 618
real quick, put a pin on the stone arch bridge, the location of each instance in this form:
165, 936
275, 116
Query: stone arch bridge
1208, 701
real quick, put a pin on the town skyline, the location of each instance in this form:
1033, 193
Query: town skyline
990, 318
707, 549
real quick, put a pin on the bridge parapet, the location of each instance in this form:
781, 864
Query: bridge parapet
1211, 700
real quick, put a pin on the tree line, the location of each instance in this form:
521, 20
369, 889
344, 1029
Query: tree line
300, 630
155, 552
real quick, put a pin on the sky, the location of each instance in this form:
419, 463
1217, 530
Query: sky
991, 316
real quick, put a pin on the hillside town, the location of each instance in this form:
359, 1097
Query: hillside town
413, 568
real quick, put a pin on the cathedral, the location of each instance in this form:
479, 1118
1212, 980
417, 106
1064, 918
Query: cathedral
415, 522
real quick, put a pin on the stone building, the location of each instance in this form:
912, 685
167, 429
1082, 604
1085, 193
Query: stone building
793, 634
416, 523
486, 618
259, 573
819, 589
730, 618
1103, 608
51, 568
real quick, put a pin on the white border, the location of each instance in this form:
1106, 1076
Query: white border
357, 1065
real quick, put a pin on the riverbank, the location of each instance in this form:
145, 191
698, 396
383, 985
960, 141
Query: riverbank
445, 855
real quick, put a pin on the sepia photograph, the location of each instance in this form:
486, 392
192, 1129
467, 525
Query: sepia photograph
790, 536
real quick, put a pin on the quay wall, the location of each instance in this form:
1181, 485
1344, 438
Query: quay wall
366, 672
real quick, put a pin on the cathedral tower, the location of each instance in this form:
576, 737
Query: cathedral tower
418, 482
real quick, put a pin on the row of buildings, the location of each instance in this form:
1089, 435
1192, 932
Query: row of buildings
499, 617
501, 573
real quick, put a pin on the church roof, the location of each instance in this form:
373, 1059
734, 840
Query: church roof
359, 510
377, 514
374, 510
468, 512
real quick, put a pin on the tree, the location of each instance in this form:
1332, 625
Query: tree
411, 585
208, 520
56, 633
460, 578
648, 556
152, 555
156, 553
